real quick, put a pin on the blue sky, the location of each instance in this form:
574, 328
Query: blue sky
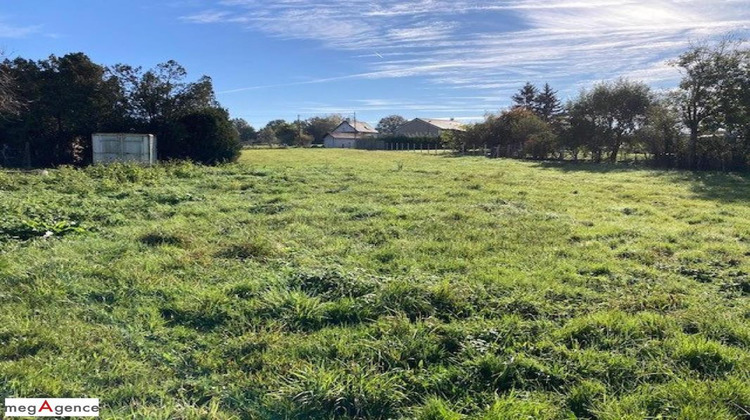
420, 58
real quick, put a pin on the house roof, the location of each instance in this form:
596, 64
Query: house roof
444, 124
363, 127
360, 126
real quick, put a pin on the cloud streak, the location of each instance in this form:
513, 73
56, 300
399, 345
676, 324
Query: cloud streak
8, 30
491, 45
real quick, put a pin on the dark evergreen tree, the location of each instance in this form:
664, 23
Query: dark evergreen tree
546, 103
65, 100
526, 97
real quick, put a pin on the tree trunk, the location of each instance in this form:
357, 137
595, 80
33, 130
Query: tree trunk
615, 150
693, 157
597, 155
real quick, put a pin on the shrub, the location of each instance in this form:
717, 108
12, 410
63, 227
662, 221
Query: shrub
204, 136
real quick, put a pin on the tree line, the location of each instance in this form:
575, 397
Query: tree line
49, 108
288, 133
703, 124
304, 132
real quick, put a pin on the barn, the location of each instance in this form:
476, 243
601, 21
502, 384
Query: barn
348, 134
426, 127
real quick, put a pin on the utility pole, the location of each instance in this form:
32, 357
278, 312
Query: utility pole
299, 130
355, 129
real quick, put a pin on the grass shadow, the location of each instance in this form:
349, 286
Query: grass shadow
727, 187
593, 167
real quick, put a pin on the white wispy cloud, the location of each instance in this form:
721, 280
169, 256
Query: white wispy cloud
8, 30
471, 44
446, 107
209, 16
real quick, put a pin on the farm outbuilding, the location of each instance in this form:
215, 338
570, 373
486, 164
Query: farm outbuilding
426, 127
348, 134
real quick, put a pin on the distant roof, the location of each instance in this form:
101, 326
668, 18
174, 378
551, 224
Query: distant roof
349, 135
361, 127
444, 124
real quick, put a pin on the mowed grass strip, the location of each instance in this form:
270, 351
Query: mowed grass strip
354, 284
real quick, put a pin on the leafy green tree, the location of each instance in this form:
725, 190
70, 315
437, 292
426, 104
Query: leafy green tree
160, 95
70, 97
245, 131
158, 98
537, 139
711, 90
473, 136
267, 136
206, 136
517, 132
387, 125
661, 132
698, 101
319, 126
284, 131
734, 104
616, 110
450, 139
526, 134
580, 133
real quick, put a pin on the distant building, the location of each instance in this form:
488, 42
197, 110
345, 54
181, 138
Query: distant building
425, 127
348, 134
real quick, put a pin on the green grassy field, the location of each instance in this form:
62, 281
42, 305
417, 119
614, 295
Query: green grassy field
353, 284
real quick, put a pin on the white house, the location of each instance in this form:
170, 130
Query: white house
348, 133
426, 127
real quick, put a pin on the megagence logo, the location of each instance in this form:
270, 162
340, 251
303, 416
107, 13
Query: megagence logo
51, 407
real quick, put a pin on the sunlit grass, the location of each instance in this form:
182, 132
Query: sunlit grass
342, 284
